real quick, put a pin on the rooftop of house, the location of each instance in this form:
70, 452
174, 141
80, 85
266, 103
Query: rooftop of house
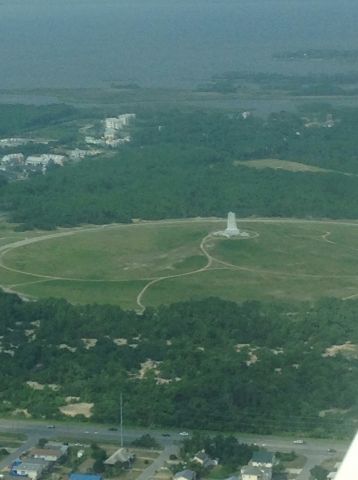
202, 455
32, 461
55, 452
250, 470
121, 455
262, 457
188, 474
85, 476
33, 465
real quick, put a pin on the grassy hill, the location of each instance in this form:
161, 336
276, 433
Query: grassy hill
150, 263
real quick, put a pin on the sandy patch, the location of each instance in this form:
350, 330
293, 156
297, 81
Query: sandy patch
30, 333
147, 366
9, 352
40, 386
73, 409
251, 353
22, 411
252, 359
63, 346
120, 341
332, 411
347, 349
153, 366
89, 342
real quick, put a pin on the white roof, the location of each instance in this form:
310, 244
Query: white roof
121, 455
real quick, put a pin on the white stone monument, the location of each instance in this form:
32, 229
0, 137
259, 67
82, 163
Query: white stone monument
231, 229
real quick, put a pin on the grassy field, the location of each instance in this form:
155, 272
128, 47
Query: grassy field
176, 260
126, 253
277, 164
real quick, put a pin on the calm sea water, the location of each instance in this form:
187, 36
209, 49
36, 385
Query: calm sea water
83, 43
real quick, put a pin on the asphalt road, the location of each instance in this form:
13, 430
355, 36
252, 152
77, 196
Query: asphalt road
316, 450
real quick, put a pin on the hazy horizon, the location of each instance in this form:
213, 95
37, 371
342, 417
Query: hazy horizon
164, 43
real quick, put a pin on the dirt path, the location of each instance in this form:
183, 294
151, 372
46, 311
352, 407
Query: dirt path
167, 277
325, 238
230, 266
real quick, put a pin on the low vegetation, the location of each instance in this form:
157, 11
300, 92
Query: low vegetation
214, 364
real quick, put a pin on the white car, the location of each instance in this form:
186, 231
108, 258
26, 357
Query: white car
184, 434
298, 442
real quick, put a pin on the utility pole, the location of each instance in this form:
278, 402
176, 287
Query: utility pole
121, 418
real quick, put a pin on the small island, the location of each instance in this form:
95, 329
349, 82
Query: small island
318, 54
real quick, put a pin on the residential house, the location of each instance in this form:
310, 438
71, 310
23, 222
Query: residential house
122, 455
13, 159
32, 468
185, 475
48, 454
13, 142
117, 123
248, 472
35, 160
77, 154
259, 467
262, 458
203, 459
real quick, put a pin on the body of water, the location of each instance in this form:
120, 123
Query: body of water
86, 43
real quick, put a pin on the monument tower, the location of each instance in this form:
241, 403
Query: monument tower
231, 229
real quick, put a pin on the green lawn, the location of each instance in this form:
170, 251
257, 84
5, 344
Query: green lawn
119, 253
296, 260
117, 293
277, 164
295, 249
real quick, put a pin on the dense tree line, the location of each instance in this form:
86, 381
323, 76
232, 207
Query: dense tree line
181, 164
281, 135
170, 182
17, 119
218, 365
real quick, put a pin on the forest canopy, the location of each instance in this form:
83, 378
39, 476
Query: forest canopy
184, 164
208, 364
